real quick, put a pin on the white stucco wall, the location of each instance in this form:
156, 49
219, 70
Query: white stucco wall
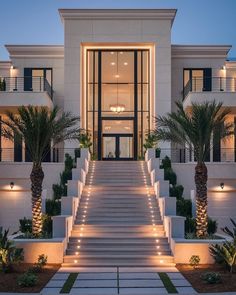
221, 203
95, 30
16, 203
57, 65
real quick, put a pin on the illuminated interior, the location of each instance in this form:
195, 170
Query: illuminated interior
118, 101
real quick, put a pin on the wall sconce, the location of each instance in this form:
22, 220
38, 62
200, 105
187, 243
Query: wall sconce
222, 185
223, 68
12, 184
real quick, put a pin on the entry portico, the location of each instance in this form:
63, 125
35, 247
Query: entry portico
118, 75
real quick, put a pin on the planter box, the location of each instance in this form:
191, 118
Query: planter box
183, 249
53, 248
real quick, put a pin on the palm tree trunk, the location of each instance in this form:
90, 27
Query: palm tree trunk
201, 199
36, 178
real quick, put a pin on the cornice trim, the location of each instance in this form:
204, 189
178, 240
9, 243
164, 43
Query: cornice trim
195, 51
118, 14
30, 51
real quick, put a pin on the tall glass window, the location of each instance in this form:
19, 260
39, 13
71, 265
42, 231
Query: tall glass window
118, 100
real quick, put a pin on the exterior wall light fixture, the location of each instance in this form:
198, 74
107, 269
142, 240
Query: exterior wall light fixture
222, 185
12, 184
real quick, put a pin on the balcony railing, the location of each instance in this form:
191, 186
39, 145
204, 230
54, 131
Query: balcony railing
55, 155
23, 84
214, 84
186, 155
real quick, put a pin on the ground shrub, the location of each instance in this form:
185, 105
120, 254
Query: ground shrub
28, 279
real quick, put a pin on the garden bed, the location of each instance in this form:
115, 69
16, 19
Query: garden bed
8, 281
228, 283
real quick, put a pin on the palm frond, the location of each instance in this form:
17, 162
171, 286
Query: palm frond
40, 128
196, 128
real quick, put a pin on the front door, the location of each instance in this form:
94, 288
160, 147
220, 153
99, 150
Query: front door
117, 147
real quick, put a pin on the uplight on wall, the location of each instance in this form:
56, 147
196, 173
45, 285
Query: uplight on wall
12, 184
222, 185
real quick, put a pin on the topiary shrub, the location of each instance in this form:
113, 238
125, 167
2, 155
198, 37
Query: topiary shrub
53, 207
170, 175
28, 279
165, 163
190, 225
184, 207
58, 191
176, 191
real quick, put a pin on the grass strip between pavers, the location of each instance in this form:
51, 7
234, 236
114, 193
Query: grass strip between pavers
167, 283
69, 283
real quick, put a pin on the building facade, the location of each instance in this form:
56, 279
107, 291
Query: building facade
117, 70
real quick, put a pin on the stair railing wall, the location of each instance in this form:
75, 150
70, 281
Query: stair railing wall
62, 224
173, 224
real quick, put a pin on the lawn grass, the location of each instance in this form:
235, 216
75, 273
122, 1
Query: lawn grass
167, 283
69, 283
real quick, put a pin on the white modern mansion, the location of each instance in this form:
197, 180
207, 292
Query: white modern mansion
117, 70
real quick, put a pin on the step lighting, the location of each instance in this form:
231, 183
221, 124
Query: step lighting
76, 253
75, 261
161, 261
157, 241
78, 241
159, 253
78, 247
158, 247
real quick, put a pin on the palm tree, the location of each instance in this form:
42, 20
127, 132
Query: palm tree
40, 128
196, 129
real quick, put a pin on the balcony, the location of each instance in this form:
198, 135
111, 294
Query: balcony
220, 89
18, 91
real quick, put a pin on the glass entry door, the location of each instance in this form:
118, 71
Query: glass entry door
117, 147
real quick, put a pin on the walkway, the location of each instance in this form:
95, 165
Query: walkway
121, 280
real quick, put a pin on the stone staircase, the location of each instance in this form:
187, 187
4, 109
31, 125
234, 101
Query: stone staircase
118, 221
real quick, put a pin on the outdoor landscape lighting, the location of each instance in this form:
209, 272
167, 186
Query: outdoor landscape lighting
12, 184
222, 185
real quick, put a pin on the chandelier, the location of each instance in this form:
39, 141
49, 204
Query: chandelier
117, 108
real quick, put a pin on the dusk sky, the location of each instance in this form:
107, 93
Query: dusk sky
38, 21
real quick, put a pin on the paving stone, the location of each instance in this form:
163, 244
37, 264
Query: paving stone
60, 276
142, 291
147, 269
55, 283
141, 283
51, 291
97, 276
175, 275
87, 269
93, 291
139, 275
181, 283
95, 283
186, 290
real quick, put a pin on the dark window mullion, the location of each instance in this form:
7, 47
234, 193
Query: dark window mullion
141, 148
99, 104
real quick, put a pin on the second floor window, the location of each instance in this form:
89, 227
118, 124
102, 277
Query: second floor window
198, 80
34, 78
